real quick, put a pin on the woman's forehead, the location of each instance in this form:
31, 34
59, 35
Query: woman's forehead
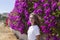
31, 15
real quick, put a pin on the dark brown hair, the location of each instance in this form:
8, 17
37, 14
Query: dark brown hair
36, 19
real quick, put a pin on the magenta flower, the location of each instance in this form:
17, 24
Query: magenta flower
48, 10
26, 15
22, 5
35, 11
20, 10
47, 18
45, 5
29, 24
21, 0
35, 5
43, 27
42, 0
59, 7
39, 11
47, 22
14, 10
53, 17
54, 5
55, 38
52, 24
17, 4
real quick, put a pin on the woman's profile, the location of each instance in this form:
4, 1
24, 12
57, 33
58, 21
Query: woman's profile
34, 30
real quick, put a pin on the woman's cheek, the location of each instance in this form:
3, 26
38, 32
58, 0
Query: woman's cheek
31, 20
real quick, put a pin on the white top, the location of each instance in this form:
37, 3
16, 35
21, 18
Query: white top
33, 31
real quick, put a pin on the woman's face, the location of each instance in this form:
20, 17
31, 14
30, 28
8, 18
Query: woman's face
31, 19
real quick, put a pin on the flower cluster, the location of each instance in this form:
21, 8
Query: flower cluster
19, 17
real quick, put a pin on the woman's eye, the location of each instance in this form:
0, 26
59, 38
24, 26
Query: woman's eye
31, 18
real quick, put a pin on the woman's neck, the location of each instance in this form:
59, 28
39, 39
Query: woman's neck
32, 24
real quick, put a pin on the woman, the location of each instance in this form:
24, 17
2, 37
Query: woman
34, 30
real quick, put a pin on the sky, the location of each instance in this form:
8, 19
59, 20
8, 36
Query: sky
6, 6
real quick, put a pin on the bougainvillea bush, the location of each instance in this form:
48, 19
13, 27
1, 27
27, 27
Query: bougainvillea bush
48, 10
